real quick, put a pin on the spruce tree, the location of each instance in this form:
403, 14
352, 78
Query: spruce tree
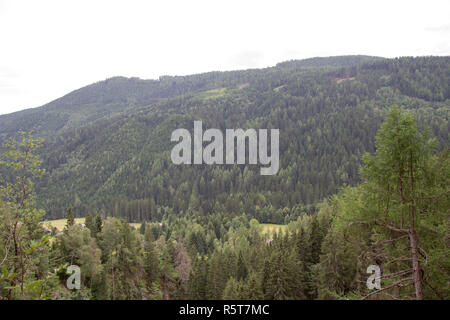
89, 222
70, 217
98, 225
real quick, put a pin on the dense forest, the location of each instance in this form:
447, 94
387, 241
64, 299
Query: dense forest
361, 182
397, 218
107, 146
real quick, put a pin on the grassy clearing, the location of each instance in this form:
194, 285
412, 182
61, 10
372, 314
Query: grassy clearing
272, 228
279, 88
266, 228
61, 223
213, 93
135, 225
339, 80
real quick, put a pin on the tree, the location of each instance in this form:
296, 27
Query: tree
182, 264
278, 276
151, 260
21, 230
397, 195
70, 217
167, 272
81, 249
242, 270
98, 225
232, 290
253, 287
198, 279
338, 263
89, 222
121, 253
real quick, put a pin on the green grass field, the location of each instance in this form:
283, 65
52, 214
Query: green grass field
272, 228
61, 223
278, 88
213, 93
267, 228
135, 225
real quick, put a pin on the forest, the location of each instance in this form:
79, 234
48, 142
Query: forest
363, 181
107, 146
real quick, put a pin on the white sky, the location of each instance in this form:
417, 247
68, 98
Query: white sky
49, 48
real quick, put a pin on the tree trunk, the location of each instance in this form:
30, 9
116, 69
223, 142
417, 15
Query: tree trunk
416, 266
413, 237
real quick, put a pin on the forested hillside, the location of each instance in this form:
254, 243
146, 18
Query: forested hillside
107, 146
396, 219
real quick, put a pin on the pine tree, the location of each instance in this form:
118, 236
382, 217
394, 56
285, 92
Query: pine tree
217, 276
253, 288
279, 276
98, 225
142, 228
89, 222
151, 261
242, 270
232, 290
70, 217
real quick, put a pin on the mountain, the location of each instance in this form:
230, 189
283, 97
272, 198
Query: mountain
107, 145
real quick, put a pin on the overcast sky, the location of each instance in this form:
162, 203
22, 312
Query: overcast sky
49, 48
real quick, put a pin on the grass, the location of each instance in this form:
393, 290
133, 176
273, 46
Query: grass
267, 228
339, 80
135, 225
61, 223
278, 88
213, 93
272, 228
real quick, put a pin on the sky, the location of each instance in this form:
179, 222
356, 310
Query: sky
50, 48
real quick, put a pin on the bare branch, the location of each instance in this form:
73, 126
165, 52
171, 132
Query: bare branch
391, 240
386, 225
395, 284
423, 253
398, 259
396, 274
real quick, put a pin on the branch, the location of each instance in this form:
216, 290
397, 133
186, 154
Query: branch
391, 240
7, 247
398, 259
386, 225
356, 222
388, 287
434, 290
423, 253
403, 272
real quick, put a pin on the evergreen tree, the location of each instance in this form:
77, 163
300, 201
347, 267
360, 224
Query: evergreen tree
182, 263
89, 222
151, 261
70, 217
397, 186
98, 225
232, 290
242, 270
